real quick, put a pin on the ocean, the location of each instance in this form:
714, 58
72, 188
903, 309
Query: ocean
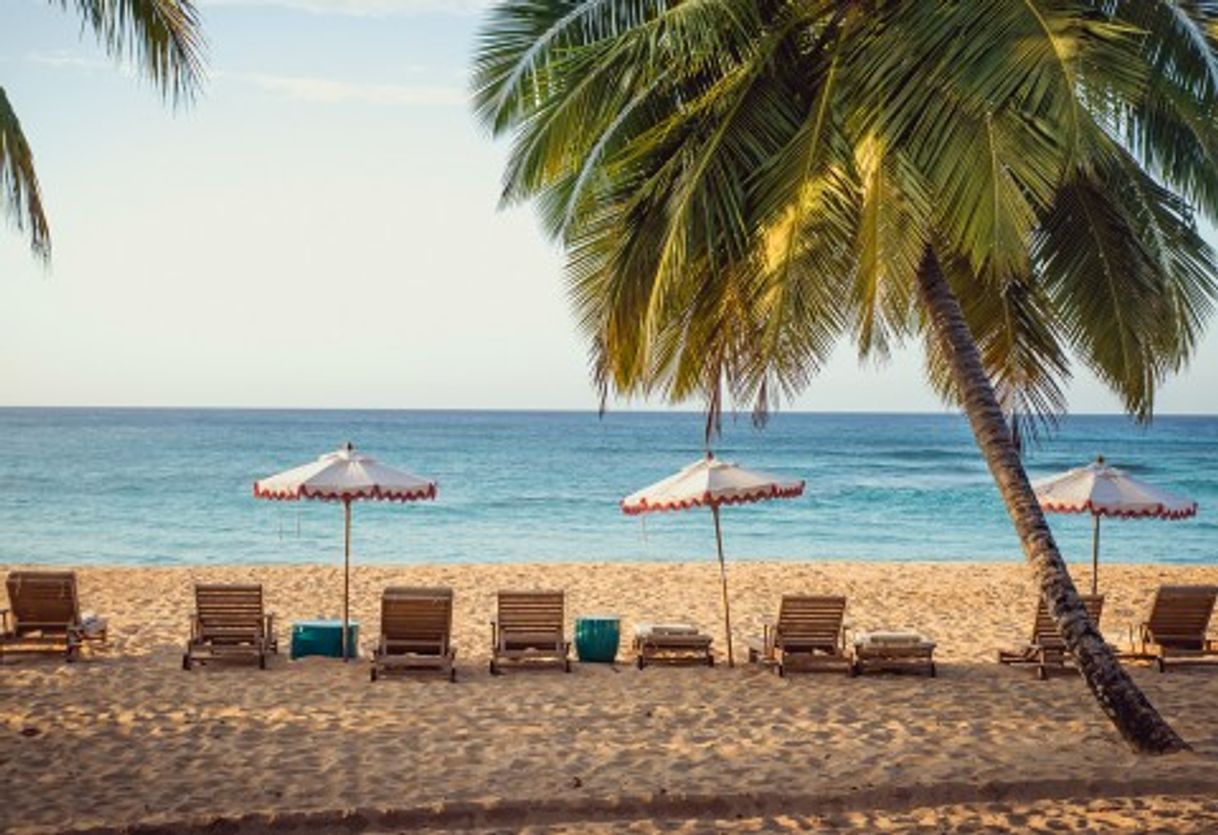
174, 487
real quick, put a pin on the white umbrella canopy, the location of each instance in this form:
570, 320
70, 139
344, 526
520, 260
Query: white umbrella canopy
1102, 490
711, 483
345, 476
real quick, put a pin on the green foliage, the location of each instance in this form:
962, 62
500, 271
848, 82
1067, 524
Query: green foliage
19, 192
739, 185
161, 37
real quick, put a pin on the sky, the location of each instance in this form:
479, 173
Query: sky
320, 229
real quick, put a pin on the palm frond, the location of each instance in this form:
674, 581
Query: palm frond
991, 176
19, 191
161, 37
894, 223
1177, 40
1171, 123
524, 42
1175, 135
1129, 279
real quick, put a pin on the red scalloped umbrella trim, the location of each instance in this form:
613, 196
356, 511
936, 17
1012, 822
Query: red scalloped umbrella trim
375, 494
1159, 512
707, 500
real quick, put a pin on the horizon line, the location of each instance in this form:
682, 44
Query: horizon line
745, 413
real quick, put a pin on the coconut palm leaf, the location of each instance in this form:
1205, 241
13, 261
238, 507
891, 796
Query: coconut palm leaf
19, 191
894, 222
1177, 40
1175, 134
161, 38
1130, 278
522, 39
1172, 125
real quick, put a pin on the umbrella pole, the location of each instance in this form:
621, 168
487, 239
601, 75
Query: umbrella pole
1095, 554
727, 611
346, 574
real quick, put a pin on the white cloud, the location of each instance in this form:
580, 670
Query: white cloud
329, 91
64, 59
365, 8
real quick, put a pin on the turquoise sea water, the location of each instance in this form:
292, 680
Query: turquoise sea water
173, 487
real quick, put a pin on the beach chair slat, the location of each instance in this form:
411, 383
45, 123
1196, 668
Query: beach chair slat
45, 614
1178, 625
530, 626
416, 631
229, 620
808, 634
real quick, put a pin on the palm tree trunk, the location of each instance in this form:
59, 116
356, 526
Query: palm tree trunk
1128, 708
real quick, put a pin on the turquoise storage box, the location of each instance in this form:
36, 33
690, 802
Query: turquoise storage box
323, 637
597, 637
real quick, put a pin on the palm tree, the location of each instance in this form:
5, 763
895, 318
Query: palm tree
162, 37
740, 184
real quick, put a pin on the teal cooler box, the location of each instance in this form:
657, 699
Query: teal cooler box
597, 637
323, 637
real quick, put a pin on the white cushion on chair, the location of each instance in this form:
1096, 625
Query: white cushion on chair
643, 629
890, 638
92, 624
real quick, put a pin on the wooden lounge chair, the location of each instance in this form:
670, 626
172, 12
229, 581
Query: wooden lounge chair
416, 632
1047, 648
229, 621
44, 615
530, 627
671, 643
1177, 628
809, 635
899, 651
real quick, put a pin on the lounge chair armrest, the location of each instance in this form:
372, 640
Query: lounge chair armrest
4, 621
494, 633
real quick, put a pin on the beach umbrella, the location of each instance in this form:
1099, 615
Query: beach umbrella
345, 476
711, 483
1102, 490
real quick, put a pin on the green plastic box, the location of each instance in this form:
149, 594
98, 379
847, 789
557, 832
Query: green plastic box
323, 637
597, 637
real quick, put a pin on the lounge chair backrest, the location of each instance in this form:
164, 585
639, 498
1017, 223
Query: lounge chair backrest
416, 616
809, 619
1181, 614
229, 608
43, 599
532, 611
1045, 633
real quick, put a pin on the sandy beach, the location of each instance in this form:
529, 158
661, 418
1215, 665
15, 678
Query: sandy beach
126, 739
